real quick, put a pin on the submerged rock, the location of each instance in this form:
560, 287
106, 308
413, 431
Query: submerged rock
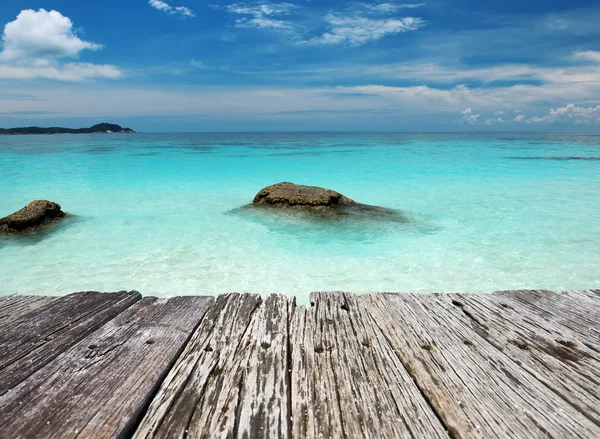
35, 214
319, 201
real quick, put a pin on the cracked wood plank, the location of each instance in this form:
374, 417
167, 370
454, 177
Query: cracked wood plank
39, 336
263, 409
574, 313
347, 380
100, 387
199, 397
474, 387
13, 307
551, 353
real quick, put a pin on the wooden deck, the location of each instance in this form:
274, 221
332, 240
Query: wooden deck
517, 364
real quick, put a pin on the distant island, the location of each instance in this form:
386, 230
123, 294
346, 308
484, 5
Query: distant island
101, 128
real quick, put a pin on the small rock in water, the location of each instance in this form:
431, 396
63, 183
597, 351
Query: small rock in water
35, 214
322, 202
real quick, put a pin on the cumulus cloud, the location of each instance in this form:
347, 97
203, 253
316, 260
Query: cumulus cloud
467, 111
471, 119
262, 15
40, 36
570, 113
35, 44
357, 31
173, 10
445, 102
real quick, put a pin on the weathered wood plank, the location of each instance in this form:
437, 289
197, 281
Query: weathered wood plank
263, 409
551, 353
591, 296
200, 395
39, 336
100, 387
473, 386
14, 307
579, 316
302, 385
512, 364
346, 379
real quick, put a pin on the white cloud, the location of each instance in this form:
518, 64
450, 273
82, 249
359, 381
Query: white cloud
262, 15
570, 113
65, 72
418, 104
556, 86
160, 5
41, 36
35, 44
389, 8
448, 74
184, 11
471, 119
467, 111
589, 55
347, 28
357, 31
499, 113
493, 121
442, 101
412, 5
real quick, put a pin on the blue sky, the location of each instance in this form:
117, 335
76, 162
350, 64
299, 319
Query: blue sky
186, 65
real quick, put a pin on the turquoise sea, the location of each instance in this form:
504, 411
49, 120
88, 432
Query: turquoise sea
157, 213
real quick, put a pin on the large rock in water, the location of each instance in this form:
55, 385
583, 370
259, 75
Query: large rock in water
32, 216
317, 200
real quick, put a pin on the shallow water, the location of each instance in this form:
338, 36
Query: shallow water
158, 213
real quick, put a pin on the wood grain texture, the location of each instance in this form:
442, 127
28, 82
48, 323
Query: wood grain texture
200, 396
551, 353
12, 308
522, 364
590, 296
100, 387
39, 336
474, 387
569, 310
263, 409
593, 294
346, 379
